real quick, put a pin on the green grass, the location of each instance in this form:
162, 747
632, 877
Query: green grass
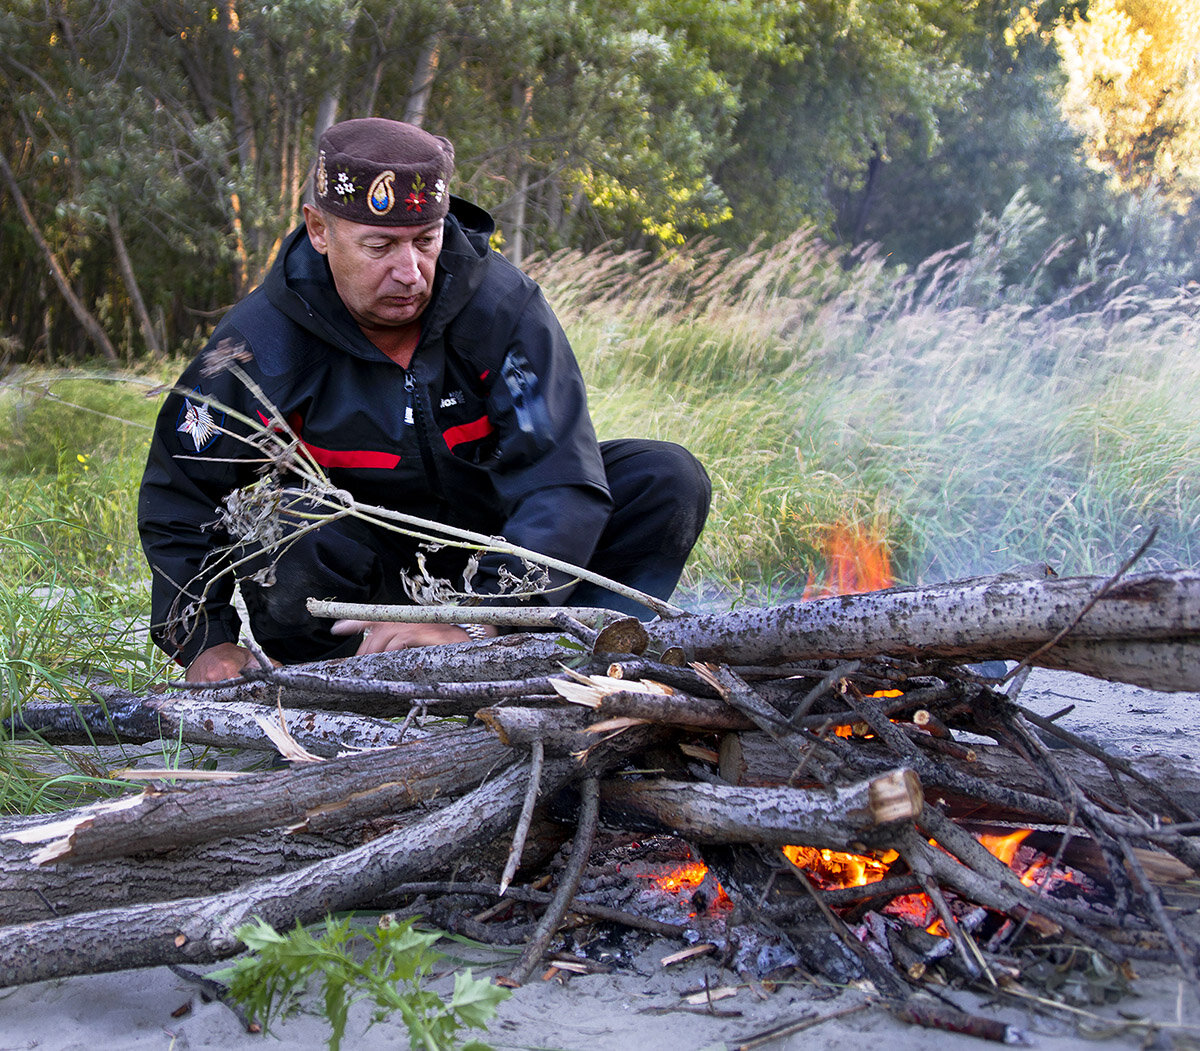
73, 585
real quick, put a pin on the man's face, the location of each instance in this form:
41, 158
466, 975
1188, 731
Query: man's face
384, 274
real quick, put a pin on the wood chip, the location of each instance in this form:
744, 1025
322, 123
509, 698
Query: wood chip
722, 992
687, 954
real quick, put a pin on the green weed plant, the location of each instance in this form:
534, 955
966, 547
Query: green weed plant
345, 963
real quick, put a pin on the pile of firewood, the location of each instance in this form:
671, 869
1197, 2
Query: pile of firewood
861, 724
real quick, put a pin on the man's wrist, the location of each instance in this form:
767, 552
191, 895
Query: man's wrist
476, 632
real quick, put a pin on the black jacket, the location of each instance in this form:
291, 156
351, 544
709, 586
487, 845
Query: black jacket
487, 428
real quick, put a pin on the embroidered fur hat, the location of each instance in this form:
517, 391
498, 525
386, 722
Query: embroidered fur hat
383, 173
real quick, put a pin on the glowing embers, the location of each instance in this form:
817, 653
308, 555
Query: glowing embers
686, 877
688, 890
832, 869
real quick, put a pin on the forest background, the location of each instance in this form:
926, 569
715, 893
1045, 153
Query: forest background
916, 276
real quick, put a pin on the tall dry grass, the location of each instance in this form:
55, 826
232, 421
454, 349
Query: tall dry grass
973, 425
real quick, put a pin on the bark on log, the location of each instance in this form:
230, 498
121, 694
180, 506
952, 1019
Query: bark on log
350, 788
1145, 630
677, 709
350, 684
837, 819
132, 718
561, 730
202, 929
31, 892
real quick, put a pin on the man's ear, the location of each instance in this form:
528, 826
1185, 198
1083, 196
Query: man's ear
318, 229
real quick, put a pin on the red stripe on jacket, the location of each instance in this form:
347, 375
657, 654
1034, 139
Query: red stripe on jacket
467, 432
341, 457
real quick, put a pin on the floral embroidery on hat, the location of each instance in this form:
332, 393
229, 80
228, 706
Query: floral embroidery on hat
415, 201
344, 187
439, 188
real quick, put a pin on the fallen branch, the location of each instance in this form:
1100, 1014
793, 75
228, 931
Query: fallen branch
202, 929
537, 758
130, 718
350, 789
581, 849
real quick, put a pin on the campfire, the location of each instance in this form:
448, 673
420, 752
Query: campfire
827, 789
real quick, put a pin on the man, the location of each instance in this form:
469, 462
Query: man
425, 374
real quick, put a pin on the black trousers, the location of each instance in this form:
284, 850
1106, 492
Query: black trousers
660, 495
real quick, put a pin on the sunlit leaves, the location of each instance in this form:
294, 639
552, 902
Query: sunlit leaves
1133, 90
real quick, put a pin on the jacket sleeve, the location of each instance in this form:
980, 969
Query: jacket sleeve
195, 460
548, 472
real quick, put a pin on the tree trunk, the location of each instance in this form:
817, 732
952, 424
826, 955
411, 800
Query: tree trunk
753, 759
86, 319
203, 929
350, 789
32, 892
131, 284
424, 75
231, 724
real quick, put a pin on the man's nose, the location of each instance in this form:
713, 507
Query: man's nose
404, 265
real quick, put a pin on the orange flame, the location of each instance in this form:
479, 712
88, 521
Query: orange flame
1005, 847
857, 561
833, 868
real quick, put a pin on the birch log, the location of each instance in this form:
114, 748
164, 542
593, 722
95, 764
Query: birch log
1145, 630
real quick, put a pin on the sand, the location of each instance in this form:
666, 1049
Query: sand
639, 1007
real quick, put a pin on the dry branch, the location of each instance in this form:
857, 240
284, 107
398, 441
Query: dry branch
133, 718
31, 892
755, 759
813, 667
202, 929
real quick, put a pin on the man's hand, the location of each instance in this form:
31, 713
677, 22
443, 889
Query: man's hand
379, 636
224, 661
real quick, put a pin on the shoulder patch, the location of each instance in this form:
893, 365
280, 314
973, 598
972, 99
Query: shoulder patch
199, 424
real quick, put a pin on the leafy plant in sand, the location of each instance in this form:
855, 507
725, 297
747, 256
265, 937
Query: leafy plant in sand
391, 974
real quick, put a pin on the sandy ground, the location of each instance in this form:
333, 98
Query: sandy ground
641, 1007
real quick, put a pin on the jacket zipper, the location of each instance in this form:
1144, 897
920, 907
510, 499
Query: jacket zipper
421, 425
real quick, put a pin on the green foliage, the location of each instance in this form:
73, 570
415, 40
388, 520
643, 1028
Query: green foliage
397, 962
578, 123
58, 633
73, 591
844, 84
